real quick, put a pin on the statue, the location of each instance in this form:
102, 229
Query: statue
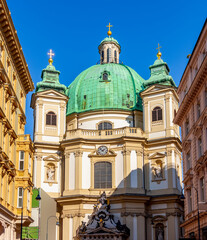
50, 173
102, 199
158, 172
160, 233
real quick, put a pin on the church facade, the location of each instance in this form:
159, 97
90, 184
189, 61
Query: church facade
112, 132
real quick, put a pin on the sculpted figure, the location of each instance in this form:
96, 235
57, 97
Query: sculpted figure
50, 173
158, 171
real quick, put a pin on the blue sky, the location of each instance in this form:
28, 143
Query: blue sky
74, 29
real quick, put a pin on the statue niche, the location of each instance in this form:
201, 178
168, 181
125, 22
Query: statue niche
158, 171
50, 172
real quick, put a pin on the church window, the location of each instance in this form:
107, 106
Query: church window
20, 197
159, 231
115, 56
105, 76
108, 55
104, 126
21, 160
103, 175
102, 56
157, 114
51, 118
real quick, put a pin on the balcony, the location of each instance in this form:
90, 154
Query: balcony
105, 134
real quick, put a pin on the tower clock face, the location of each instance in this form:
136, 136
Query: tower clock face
102, 150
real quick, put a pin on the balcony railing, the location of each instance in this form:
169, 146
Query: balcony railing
105, 134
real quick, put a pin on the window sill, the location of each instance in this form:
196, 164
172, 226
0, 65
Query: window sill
159, 180
160, 122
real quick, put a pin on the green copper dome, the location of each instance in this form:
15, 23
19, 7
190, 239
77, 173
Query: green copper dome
105, 86
50, 80
109, 39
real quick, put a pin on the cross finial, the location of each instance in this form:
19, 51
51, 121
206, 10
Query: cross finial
109, 31
159, 54
51, 54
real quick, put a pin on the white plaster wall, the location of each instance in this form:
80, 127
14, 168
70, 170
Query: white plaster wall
133, 166
119, 121
35, 217
50, 139
72, 171
158, 206
86, 171
157, 134
173, 169
119, 170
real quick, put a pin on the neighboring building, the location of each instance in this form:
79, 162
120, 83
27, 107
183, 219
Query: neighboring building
111, 131
192, 117
16, 148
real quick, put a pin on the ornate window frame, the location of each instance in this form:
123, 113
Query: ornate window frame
109, 157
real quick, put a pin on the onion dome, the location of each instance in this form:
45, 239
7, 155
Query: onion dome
50, 79
159, 73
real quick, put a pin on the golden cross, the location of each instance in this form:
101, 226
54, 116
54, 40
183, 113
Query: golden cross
109, 26
158, 47
51, 54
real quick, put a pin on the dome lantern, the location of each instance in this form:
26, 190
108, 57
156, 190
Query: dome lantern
109, 49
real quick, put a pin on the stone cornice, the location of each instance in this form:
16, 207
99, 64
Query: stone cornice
15, 49
197, 83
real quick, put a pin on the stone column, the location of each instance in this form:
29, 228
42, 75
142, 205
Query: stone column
127, 179
140, 168
65, 230
78, 169
67, 159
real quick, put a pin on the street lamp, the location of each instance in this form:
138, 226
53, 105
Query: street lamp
38, 198
57, 223
182, 197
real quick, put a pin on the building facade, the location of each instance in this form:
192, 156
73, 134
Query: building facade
110, 132
192, 117
16, 148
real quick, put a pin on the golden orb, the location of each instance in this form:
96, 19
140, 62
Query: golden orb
50, 61
159, 54
109, 33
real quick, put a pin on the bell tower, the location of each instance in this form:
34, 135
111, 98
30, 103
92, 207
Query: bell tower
109, 49
49, 103
160, 103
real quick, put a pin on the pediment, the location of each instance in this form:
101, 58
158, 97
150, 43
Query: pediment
110, 153
102, 230
51, 92
157, 155
155, 88
51, 158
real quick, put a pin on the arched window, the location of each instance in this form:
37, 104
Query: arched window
156, 114
102, 56
159, 231
115, 56
108, 55
51, 118
104, 126
105, 76
102, 175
